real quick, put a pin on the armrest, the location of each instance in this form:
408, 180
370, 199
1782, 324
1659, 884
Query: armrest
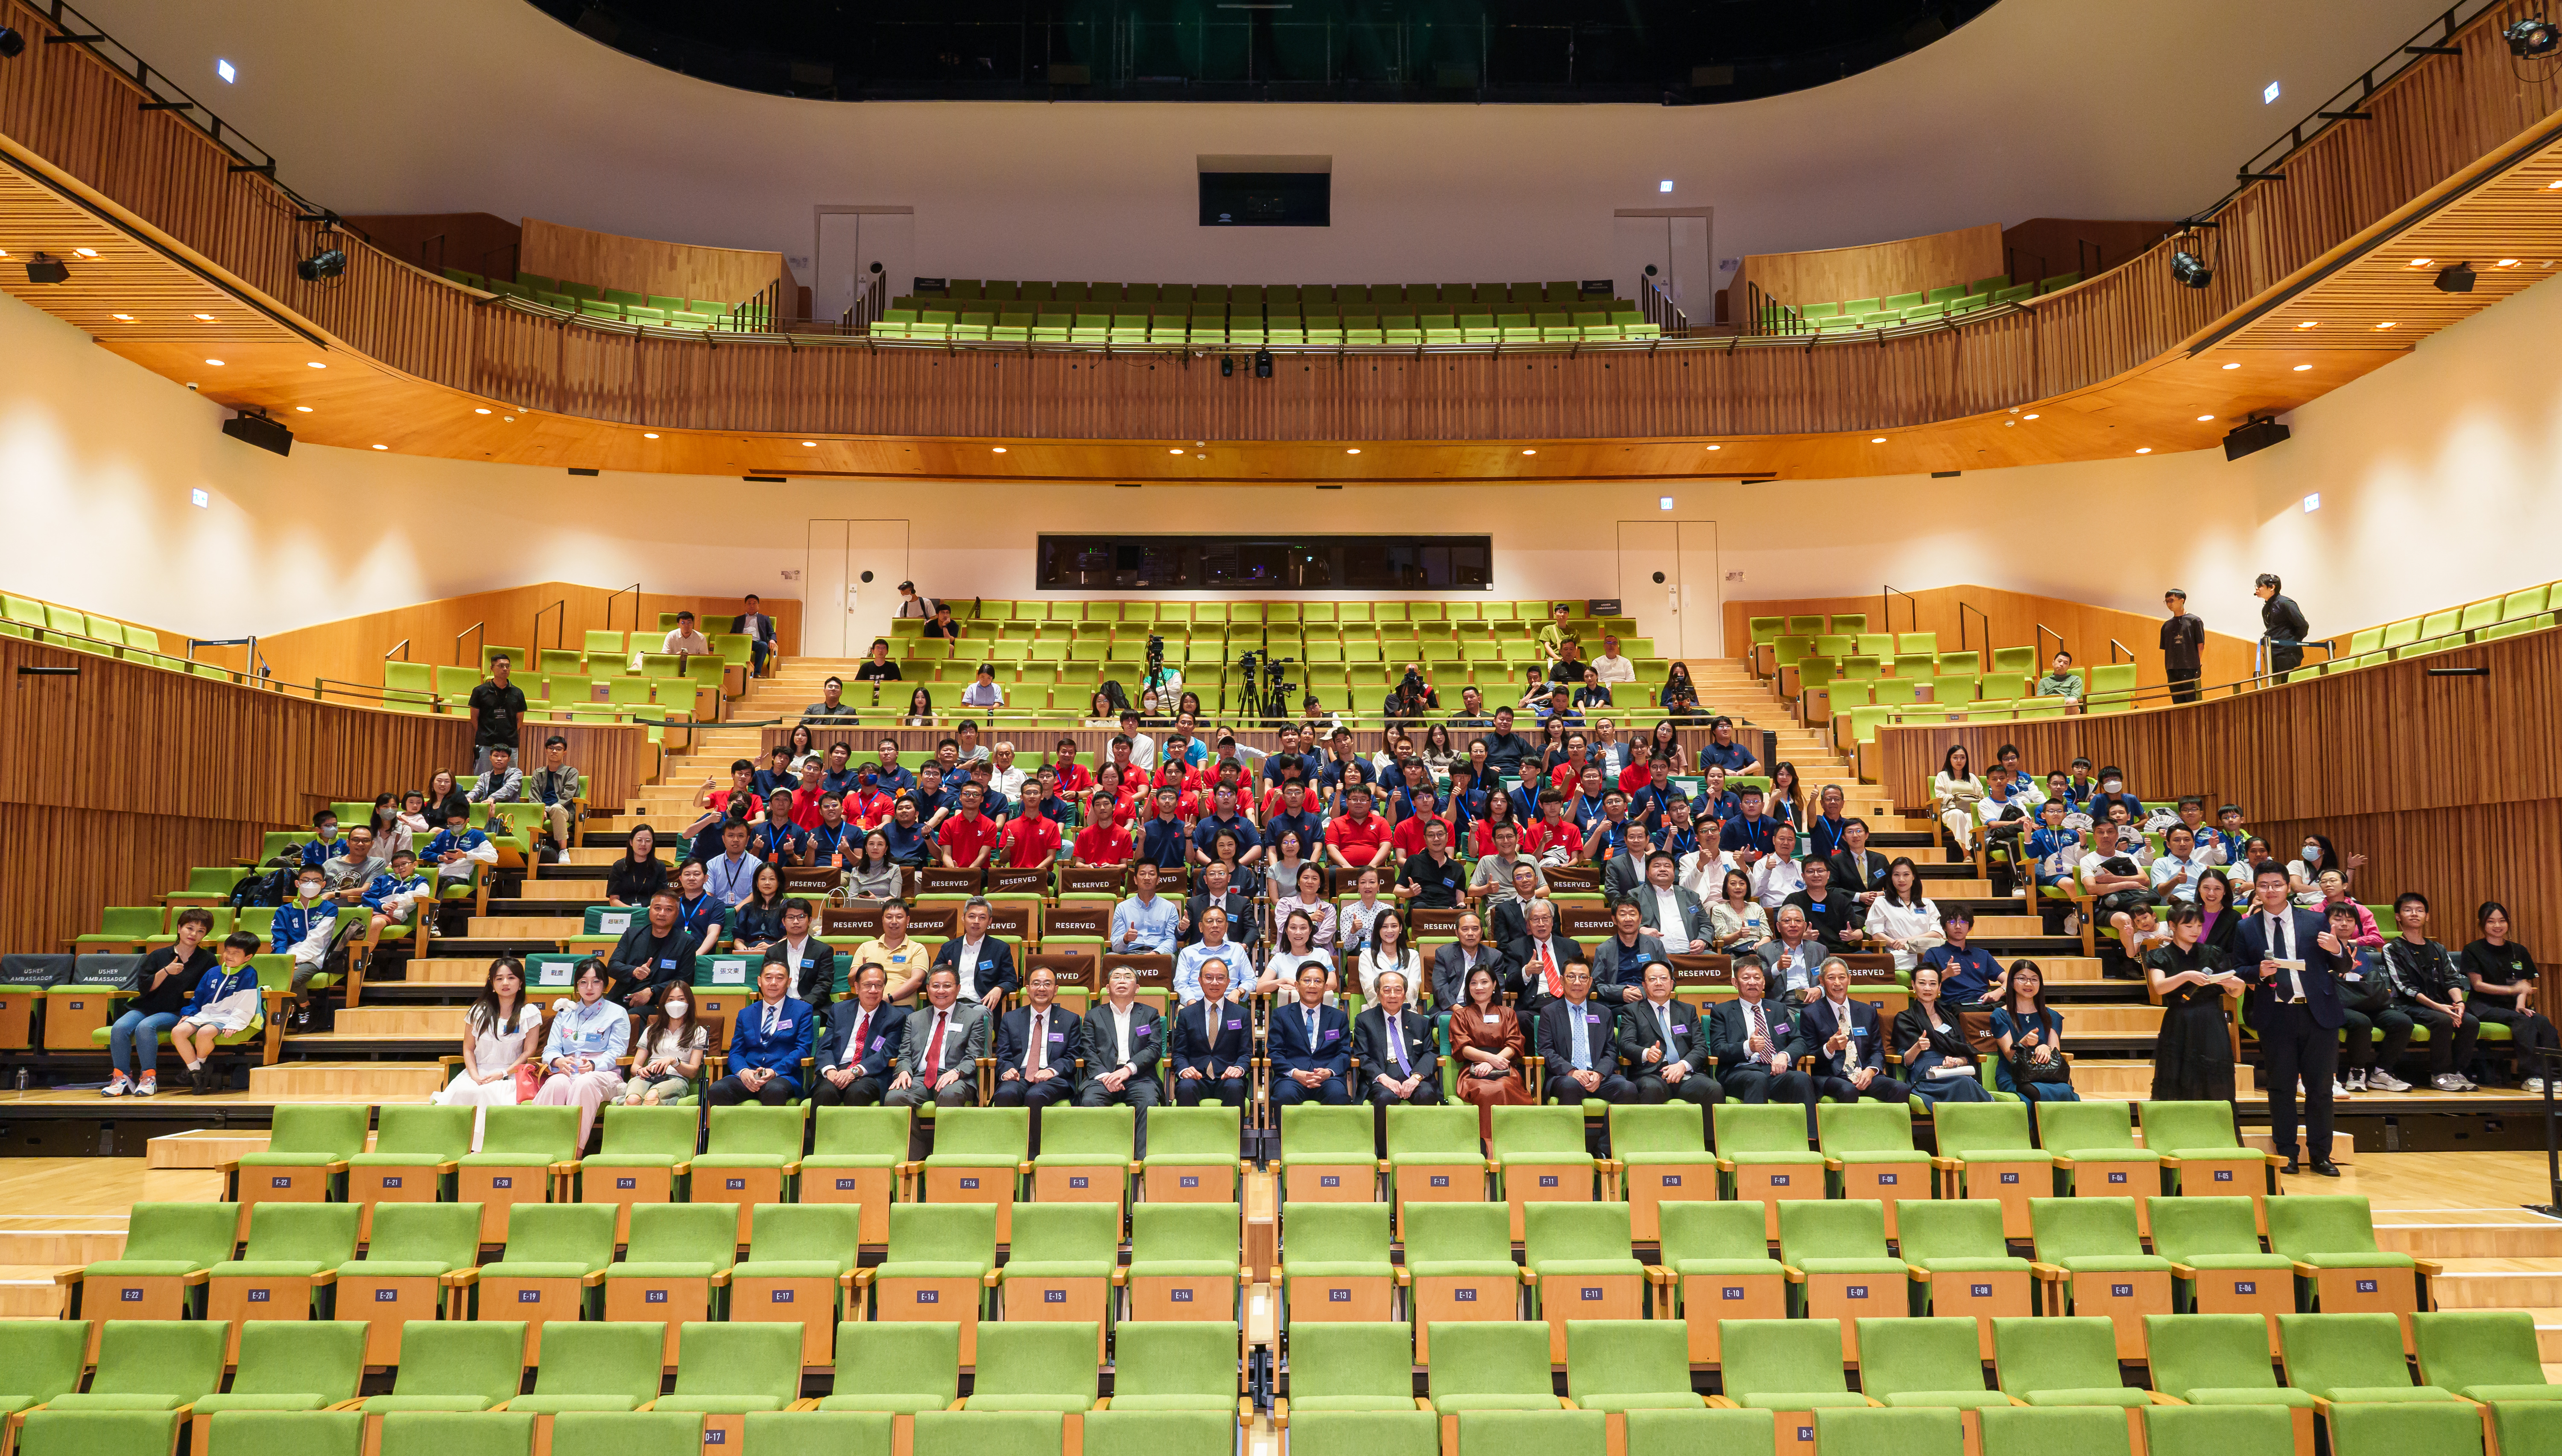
858, 1278
1529, 1276
594, 1280
2051, 1273
1404, 1277
462, 1278
1795, 1274
2161, 1399
1120, 1276
1714, 1403
2428, 1267
990, 1279
2307, 1271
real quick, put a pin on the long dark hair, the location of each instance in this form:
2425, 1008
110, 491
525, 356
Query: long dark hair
867, 861
386, 814
675, 1039
2010, 992
1948, 761
487, 1011
756, 895
920, 704
1903, 861
801, 741
633, 843
1492, 1003
2490, 908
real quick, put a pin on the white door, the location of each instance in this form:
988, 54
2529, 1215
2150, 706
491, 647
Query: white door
1694, 286
852, 584
1702, 605
1636, 244
851, 240
1674, 242
1669, 581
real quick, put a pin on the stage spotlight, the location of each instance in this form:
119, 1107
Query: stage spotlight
43, 270
12, 43
1226, 366
2533, 36
2186, 268
1263, 363
329, 262
2456, 278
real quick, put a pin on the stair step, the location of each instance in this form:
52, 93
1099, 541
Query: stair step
100, 1238
348, 1081
2469, 1233
2498, 1284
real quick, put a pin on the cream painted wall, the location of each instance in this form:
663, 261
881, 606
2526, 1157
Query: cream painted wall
2440, 480
2036, 109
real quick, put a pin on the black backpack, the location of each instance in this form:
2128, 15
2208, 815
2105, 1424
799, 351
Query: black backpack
272, 888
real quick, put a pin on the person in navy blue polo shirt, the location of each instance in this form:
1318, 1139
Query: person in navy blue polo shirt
1163, 839
910, 843
1223, 819
1747, 837
1968, 975
1723, 751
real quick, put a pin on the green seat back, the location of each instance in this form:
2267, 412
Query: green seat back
1728, 1432
1049, 1235
1967, 1128
1531, 1130
758, 1132
1489, 1357
977, 1131
304, 1233
1915, 1356
1191, 1132
2085, 1127
2528, 1425
626, 1433
1780, 1357
755, 1361
2229, 1430
1713, 1231
2068, 1227
323, 1358
1864, 1127
2036, 1431
424, 1132
2189, 1126
1949, 1228
43, 1358
684, 1234
1531, 1433
1922, 1430
1162, 1432
285, 1433
1088, 1132
2056, 1352
560, 1233
1831, 1228
1759, 1128
856, 1132
199, 1235
1432, 1131
469, 1357
1172, 1358
2459, 1348
2394, 1428
527, 1131
2303, 1225
179, 1358
897, 1358
2201, 1351
1342, 1358
1457, 1233
596, 1357
991, 1432
1164, 1233
2326, 1353
1574, 1232
317, 1130
1041, 1357
98, 1432
1333, 1233
458, 1434
942, 1234
1605, 1358
1637, 1127
652, 1132
808, 1233
2184, 1228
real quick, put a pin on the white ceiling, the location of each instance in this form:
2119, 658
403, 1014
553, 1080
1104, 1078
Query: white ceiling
2041, 107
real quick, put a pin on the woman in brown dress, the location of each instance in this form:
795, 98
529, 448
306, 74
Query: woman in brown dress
1486, 1037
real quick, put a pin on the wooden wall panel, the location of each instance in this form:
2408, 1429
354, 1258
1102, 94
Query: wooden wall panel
61, 105
480, 242
730, 275
2016, 615
114, 780
2042, 247
1874, 269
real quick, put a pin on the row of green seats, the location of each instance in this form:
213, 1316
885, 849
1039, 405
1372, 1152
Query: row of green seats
1252, 297
1320, 331
1787, 648
1771, 629
86, 632
2488, 619
998, 608
1956, 300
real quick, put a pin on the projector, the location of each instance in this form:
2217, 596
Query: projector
2258, 435
260, 430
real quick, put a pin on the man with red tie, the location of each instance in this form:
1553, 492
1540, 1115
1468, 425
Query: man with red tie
1540, 957
938, 1060
860, 1044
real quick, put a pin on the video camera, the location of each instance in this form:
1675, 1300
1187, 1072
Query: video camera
1270, 699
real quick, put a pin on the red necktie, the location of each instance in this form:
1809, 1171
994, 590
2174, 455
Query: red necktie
1549, 959
862, 1027
934, 1051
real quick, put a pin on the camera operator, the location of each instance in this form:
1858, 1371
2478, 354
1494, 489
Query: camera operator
1411, 698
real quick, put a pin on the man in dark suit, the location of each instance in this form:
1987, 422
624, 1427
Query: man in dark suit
1507, 920
1213, 1045
1669, 911
1847, 1042
979, 961
812, 961
1037, 1051
1834, 917
1452, 963
758, 629
1757, 1043
1311, 1045
1540, 958
1124, 1041
938, 1058
2295, 1011
1399, 1061
860, 1042
1627, 869
1620, 962
1662, 1041
1580, 1058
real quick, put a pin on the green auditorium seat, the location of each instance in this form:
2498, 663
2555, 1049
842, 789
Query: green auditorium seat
1928, 1362
1489, 1365
2062, 1361
2026, 1430
1034, 1366
1620, 1366
1336, 1263
457, 1433
2487, 1356
39, 1360
2350, 1359
1349, 1367
596, 1368
285, 1433
899, 1369
150, 1365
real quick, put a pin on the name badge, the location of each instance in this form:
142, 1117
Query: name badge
727, 970
1147, 1030
614, 922
667, 963
1058, 1036
1235, 1025
1331, 1034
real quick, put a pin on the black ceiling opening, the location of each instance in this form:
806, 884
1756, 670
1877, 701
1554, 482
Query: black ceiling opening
1653, 52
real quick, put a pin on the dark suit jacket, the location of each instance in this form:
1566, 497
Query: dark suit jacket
1286, 1037
763, 629
1370, 1044
964, 1038
1620, 878
1639, 1031
2320, 988
817, 968
641, 960
1615, 964
1014, 1046
1867, 1038
1211, 1050
795, 1027
1548, 1033
1102, 1053
995, 970
880, 1045
1839, 926
1507, 922
1450, 968
1530, 992
1729, 1033
1866, 873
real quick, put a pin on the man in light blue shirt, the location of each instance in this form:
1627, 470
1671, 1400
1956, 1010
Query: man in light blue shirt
1212, 945
1145, 923
730, 876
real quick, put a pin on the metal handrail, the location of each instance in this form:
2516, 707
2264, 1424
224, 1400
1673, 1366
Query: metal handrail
560, 626
401, 646
1886, 596
635, 590
2114, 647
459, 659
868, 304
1962, 609
2044, 657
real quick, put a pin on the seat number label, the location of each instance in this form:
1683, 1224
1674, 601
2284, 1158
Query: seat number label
1440, 1179
844, 1185
2010, 1177
1339, 1296
1182, 1296
1591, 1291
735, 1184
1186, 1180
1463, 1296
1329, 1180
2121, 1291
2116, 1177
929, 1296
1672, 1179
285, 1182
529, 1296
1980, 1291
1732, 1291
626, 1183
1548, 1180
654, 1296
2366, 1286
1779, 1180
130, 1296
259, 1296
971, 1184
391, 1183
2224, 1175
1855, 1291
1887, 1180
1054, 1296
1076, 1183
2246, 1286
502, 1182
386, 1296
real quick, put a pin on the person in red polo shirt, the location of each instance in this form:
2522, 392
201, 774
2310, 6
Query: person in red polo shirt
1030, 841
1408, 838
1357, 835
1579, 752
1553, 830
968, 837
1074, 780
1105, 839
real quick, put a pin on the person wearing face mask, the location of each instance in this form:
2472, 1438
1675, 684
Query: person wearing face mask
2113, 791
305, 930
670, 1054
2312, 860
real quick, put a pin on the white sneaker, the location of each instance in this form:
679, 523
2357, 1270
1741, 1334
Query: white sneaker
2465, 1083
2534, 1085
116, 1087
2341, 1089
2446, 1082
2380, 1080
149, 1086
2072, 922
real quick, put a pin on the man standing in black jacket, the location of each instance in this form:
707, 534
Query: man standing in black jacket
2281, 625
2183, 638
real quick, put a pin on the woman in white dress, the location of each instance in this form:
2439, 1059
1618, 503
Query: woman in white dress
1297, 940
1904, 918
1388, 950
498, 1038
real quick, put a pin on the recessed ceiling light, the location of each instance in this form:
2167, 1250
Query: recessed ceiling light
86, 252
2420, 262
2309, 323
1530, 452
2300, 368
809, 444
216, 363
1000, 449
1717, 446
127, 318
2145, 450
1175, 450
382, 447
479, 409
224, 70
2233, 366
648, 435
313, 364
1879, 440
302, 409
2505, 263
2388, 324
207, 317
2028, 417
1354, 449
2202, 418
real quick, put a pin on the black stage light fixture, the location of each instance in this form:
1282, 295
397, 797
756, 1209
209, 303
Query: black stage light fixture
12, 43
2186, 268
2258, 434
1263, 363
1226, 365
2456, 278
329, 262
44, 269
2533, 36
260, 430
